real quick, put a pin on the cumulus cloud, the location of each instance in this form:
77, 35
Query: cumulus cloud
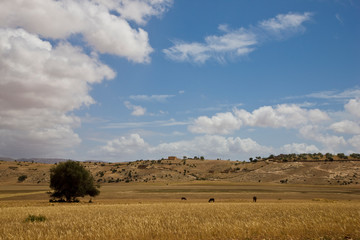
124, 145
104, 31
211, 146
221, 123
283, 115
214, 146
353, 107
355, 142
40, 86
331, 143
138, 10
299, 148
239, 42
136, 110
346, 126
312, 124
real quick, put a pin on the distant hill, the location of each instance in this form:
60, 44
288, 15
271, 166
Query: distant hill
6, 159
37, 160
286, 169
43, 160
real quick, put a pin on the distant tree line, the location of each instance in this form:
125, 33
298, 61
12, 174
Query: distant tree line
293, 157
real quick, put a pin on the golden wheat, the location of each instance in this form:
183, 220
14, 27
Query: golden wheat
297, 220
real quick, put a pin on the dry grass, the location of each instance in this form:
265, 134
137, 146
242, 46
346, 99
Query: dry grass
184, 220
176, 171
155, 211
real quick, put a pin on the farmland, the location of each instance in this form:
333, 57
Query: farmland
268, 220
321, 207
155, 211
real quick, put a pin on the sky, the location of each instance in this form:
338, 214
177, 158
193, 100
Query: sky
123, 80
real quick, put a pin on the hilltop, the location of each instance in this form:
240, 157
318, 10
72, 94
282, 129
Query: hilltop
291, 168
37, 160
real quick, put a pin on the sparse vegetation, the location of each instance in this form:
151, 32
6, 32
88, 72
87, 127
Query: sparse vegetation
34, 218
333, 169
22, 178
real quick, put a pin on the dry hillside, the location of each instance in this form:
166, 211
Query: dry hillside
297, 169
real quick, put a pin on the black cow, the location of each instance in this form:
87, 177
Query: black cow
183, 198
212, 200
254, 199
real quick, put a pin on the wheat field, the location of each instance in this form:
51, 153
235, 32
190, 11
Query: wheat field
185, 220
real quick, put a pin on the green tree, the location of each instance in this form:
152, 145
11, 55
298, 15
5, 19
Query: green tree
71, 180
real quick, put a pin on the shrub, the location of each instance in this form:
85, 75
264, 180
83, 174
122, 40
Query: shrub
22, 178
34, 218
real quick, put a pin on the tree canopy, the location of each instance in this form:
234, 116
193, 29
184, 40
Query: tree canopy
71, 180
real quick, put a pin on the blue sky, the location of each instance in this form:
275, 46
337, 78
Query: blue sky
144, 79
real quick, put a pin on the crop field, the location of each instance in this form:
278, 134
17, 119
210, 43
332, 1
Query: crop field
156, 211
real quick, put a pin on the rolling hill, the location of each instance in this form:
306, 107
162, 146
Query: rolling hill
287, 169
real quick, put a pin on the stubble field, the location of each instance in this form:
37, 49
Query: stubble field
155, 211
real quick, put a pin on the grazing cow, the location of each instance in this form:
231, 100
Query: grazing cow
212, 200
183, 198
254, 199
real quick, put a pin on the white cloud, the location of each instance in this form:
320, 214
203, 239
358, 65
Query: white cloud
291, 22
136, 110
147, 98
312, 124
211, 146
331, 143
105, 32
347, 94
39, 87
283, 115
353, 107
224, 27
161, 123
123, 146
221, 123
355, 142
346, 126
138, 10
299, 148
238, 42
351, 116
